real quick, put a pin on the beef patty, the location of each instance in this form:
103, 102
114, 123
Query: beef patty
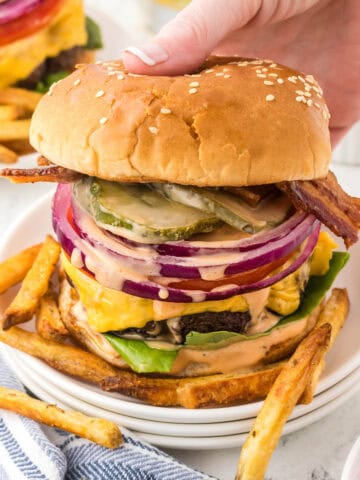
178, 328
65, 61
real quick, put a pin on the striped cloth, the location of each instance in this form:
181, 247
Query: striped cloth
31, 451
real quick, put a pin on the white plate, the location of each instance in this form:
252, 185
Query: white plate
174, 440
31, 228
166, 428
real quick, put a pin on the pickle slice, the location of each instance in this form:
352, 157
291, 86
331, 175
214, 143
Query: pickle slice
145, 212
229, 208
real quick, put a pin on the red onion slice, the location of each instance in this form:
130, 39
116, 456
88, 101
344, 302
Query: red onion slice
13, 9
100, 264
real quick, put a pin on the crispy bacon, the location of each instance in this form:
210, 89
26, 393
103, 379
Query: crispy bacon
46, 174
329, 203
43, 162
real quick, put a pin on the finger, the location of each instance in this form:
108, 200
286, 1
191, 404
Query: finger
183, 44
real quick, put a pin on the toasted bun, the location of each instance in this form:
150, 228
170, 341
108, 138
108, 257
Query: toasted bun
225, 125
239, 356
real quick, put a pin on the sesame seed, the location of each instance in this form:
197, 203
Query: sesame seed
307, 88
242, 64
227, 76
225, 69
300, 98
292, 79
98, 62
273, 75
324, 114
165, 110
310, 78
280, 80
299, 92
318, 95
209, 71
270, 98
77, 82
219, 74
258, 70
268, 82
103, 120
273, 65
192, 91
261, 75
316, 105
153, 130
120, 77
264, 69
113, 72
302, 79
309, 102
100, 93
194, 84
307, 94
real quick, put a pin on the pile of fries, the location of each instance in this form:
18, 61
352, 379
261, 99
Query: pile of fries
284, 384
16, 108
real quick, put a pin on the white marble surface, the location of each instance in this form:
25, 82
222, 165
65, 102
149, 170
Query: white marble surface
316, 452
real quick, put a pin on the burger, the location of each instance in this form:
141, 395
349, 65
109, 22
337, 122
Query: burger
41, 41
190, 213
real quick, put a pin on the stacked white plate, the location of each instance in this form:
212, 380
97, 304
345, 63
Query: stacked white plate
177, 427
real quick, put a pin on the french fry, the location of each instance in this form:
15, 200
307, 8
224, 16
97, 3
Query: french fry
11, 112
7, 155
65, 358
97, 430
48, 321
15, 130
34, 286
14, 269
278, 405
20, 97
334, 312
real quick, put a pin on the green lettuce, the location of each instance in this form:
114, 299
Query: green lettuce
144, 359
44, 85
94, 40
314, 292
141, 357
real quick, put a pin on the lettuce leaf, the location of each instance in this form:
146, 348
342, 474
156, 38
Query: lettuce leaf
313, 294
94, 40
141, 357
144, 359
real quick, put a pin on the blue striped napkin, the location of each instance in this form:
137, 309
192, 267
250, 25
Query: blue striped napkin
31, 451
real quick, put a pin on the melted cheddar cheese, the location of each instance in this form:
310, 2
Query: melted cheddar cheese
109, 309
65, 30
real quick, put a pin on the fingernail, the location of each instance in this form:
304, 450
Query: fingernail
150, 54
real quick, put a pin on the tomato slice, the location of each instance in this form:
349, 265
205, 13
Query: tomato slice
243, 278
29, 23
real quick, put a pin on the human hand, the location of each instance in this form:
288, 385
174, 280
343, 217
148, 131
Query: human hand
320, 37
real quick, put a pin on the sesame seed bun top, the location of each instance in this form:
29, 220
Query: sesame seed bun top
234, 122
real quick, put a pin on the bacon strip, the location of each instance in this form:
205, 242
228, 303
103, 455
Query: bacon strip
329, 203
33, 175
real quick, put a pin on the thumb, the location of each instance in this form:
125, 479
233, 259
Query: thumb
183, 44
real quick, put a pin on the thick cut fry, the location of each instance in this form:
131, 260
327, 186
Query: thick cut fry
15, 130
7, 155
96, 430
334, 312
278, 405
48, 322
11, 112
20, 97
21, 147
34, 286
71, 360
197, 392
14, 269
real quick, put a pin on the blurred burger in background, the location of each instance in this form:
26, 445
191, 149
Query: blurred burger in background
41, 41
